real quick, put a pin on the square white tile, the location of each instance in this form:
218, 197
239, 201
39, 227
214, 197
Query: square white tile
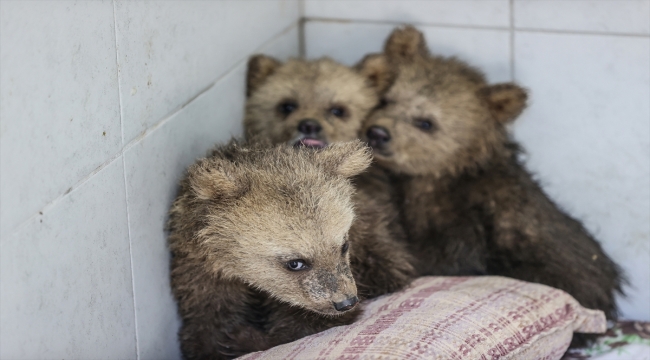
619, 16
438, 12
284, 46
588, 135
154, 166
170, 51
60, 106
349, 42
65, 289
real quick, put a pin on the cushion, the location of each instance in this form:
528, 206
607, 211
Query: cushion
487, 317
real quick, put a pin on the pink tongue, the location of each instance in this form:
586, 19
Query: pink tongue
313, 143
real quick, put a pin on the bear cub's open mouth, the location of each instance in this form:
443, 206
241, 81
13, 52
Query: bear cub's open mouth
311, 143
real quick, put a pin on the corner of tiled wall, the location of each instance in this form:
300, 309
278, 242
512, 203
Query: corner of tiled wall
104, 105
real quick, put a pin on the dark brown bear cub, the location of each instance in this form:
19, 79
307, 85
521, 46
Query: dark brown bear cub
467, 203
261, 247
319, 102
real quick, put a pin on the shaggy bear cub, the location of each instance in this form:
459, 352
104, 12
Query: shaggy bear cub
316, 103
261, 246
467, 203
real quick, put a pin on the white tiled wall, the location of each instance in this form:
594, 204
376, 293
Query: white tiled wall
587, 66
105, 103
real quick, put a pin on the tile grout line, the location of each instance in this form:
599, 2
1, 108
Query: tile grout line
142, 135
581, 32
512, 40
126, 189
475, 27
302, 52
45, 208
394, 22
175, 111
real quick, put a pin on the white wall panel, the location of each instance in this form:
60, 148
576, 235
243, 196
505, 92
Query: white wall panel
171, 50
611, 16
588, 135
349, 42
65, 279
60, 108
447, 12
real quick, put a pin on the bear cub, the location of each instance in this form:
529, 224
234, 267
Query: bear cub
468, 205
260, 244
309, 103
314, 104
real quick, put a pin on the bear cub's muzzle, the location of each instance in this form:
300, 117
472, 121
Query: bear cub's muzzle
309, 130
346, 304
378, 137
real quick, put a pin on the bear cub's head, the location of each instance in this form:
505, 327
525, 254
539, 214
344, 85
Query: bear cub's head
277, 219
439, 116
308, 103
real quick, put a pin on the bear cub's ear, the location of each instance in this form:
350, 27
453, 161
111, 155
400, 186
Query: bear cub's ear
259, 68
377, 70
406, 43
346, 159
213, 178
506, 101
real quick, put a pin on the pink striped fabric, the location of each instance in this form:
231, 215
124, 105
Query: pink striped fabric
486, 317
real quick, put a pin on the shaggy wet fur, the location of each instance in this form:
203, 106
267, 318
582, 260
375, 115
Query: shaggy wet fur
468, 204
242, 217
314, 89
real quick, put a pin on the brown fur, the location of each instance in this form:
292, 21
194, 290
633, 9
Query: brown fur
317, 89
240, 216
468, 204
382, 264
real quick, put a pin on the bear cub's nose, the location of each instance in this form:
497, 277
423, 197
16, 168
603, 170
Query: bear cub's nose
309, 127
346, 304
377, 136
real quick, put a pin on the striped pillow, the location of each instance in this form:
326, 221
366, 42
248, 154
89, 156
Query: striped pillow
485, 317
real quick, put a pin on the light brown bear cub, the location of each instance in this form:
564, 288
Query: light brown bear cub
260, 242
310, 103
468, 205
320, 102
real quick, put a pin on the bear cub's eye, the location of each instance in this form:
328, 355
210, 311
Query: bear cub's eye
383, 102
424, 124
338, 111
296, 265
345, 248
287, 107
